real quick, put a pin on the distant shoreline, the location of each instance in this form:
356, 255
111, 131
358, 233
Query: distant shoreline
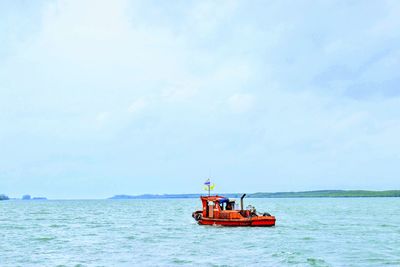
24, 198
302, 194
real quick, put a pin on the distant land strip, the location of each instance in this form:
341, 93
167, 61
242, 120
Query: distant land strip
303, 194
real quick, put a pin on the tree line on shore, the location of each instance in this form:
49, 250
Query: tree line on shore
24, 197
305, 194
4, 197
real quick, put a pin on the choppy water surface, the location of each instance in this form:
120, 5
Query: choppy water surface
309, 232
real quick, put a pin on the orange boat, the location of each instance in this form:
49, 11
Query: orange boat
219, 210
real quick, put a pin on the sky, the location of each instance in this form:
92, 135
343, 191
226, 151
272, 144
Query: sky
128, 97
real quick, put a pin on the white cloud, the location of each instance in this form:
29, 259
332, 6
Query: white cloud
103, 116
138, 105
206, 16
180, 92
240, 103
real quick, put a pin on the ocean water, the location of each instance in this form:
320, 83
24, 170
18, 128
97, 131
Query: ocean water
309, 232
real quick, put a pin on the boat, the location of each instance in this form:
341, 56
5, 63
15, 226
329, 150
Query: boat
219, 210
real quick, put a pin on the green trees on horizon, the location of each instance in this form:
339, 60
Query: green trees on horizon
4, 197
330, 193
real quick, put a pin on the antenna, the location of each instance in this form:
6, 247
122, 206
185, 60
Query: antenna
209, 186
209, 177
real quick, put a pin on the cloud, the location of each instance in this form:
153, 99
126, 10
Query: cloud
138, 105
240, 103
103, 116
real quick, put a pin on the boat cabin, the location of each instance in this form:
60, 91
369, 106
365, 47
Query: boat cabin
220, 207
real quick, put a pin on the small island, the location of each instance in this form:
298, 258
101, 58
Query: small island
4, 197
39, 198
28, 197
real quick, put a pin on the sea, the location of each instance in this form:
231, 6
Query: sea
161, 232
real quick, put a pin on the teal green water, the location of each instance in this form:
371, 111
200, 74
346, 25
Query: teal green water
309, 232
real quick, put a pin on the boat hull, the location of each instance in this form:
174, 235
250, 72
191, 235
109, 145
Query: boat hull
259, 221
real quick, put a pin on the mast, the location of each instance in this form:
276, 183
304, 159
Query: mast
209, 186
